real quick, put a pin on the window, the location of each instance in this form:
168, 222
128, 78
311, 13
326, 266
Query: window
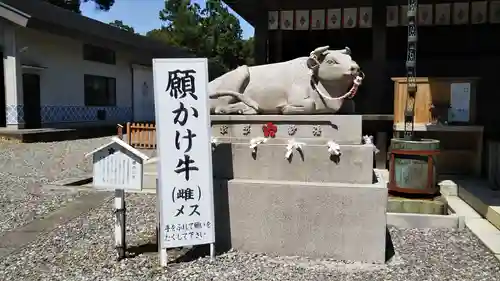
98, 54
100, 90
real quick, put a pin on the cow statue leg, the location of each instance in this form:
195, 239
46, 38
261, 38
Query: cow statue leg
235, 108
305, 106
299, 101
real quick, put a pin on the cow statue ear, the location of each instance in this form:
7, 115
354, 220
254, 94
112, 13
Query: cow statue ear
346, 51
312, 63
320, 50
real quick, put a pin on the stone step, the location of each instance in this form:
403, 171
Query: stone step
315, 164
355, 165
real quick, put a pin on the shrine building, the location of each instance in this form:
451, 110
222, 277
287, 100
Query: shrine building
455, 39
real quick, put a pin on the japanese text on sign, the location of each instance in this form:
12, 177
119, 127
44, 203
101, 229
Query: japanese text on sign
185, 151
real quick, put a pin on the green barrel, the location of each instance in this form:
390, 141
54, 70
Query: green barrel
412, 166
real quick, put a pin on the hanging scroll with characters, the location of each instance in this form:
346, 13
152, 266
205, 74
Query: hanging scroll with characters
350, 18
272, 20
318, 19
425, 14
403, 15
461, 13
443, 14
478, 12
495, 12
302, 20
392, 16
365, 17
286, 22
334, 18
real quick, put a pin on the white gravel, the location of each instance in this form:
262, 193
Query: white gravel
25, 167
83, 250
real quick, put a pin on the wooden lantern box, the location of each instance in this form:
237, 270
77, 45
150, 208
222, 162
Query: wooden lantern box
451, 100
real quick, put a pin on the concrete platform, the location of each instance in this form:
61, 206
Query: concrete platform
481, 227
333, 220
56, 134
478, 194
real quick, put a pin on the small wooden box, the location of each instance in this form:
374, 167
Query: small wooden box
433, 91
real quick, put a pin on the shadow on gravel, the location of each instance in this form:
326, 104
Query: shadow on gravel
175, 255
389, 246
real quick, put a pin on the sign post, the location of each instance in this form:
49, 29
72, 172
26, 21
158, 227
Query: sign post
185, 154
118, 166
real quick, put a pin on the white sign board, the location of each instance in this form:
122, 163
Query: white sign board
185, 152
459, 102
117, 166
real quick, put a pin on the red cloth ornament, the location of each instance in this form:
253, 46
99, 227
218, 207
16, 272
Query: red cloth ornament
269, 130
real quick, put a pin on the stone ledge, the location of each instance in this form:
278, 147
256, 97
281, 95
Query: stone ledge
407, 220
343, 129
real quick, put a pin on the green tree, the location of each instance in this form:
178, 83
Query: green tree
247, 51
74, 5
211, 32
121, 25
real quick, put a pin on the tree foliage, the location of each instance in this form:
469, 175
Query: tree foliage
74, 5
211, 31
121, 25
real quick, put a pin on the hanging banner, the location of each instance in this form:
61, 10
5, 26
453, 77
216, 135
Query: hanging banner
334, 18
425, 14
392, 16
461, 13
365, 17
478, 14
443, 14
272, 20
286, 21
302, 20
403, 15
318, 19
495, 12
350, 17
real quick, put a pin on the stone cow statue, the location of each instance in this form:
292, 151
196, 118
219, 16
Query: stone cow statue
317, 84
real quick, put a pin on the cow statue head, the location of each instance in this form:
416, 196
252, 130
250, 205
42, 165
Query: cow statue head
333, 65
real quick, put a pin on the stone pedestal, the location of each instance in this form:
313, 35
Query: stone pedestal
312, 204
341, 221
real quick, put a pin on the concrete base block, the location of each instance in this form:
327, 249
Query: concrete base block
415, 206
406, 220
314, 164
332, 220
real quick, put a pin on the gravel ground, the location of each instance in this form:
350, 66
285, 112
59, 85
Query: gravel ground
25, 167
83, 250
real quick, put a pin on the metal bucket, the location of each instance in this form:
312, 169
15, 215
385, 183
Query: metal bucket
412, 166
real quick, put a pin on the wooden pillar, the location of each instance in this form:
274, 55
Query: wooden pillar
379, 101
278, 51
260, 39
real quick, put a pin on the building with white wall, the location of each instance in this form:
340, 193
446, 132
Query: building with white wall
61, 69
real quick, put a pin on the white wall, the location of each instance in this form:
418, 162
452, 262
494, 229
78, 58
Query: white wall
62, 83
62, 80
